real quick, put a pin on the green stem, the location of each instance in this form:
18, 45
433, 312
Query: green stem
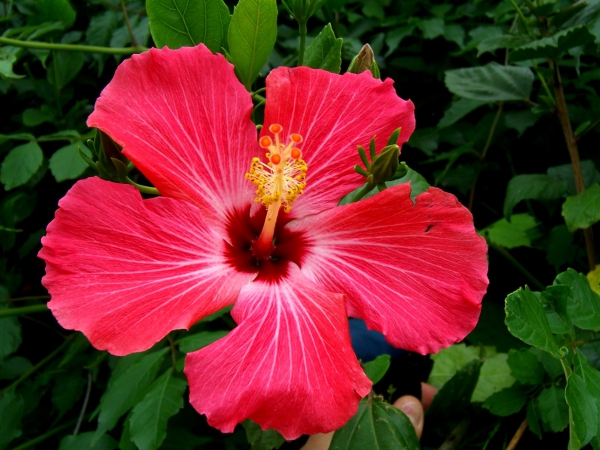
143, 189
571, 141
518, 265
523, 19
364, 191
484, 153
302, 26
45, 436
73, 47
543, 81
258, 98
23, 310
35, 368
128, 25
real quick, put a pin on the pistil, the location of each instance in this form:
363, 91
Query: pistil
279, 182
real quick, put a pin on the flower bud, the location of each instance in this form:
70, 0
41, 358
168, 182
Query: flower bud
302, 10
365, 60
385, 164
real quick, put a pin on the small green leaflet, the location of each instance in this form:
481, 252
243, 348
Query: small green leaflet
252, 34
377, 368
148, 423
519, 232
376, 425
553, 409
582, 210
553, 46
127, 389
179, 23
66, 164
506, 402
325, 52
526, 319
262, 440
491, 83
20, 165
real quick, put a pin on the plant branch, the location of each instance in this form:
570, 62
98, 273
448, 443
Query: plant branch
85, 403
517, 436
73, 47
484, 152
571, 140
31, 297
44, 436
134, 41
23, 310
35, 368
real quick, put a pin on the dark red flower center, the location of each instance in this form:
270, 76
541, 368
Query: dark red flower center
245, 255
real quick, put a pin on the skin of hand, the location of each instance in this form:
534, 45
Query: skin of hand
409, 405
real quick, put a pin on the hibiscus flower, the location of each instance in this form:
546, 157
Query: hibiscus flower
256, 223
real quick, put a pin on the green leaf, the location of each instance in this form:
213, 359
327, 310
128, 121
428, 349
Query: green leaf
560, 247
591, 377
199, 340
455, 395
252, 35
20, 165
459, 109
14, 367
490, 83
448, 361
127, 389
325, 52
520, 120
506, 402
66, 164
555, 304
532, 187
53, 11
584, 411
68, 388
583, 305
64, 68
7, 59
525, 319
377, 368
10, 336
564, 172
179, 23
553, 409
377, 425
553, 46
495, 375
33, 117
496, 42
262, 440
11, 412
84, 441
582, 210
432, 28
519, 232
148, 424
533, 418
525, 366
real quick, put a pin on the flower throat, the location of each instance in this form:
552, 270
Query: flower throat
279, 182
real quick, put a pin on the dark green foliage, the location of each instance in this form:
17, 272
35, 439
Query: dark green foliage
483, 78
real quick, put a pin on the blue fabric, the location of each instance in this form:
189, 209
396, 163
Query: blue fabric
369, 344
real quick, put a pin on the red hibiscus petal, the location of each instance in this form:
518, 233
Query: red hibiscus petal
415, 273
184, 120
288, 366
126, 271
334, 113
